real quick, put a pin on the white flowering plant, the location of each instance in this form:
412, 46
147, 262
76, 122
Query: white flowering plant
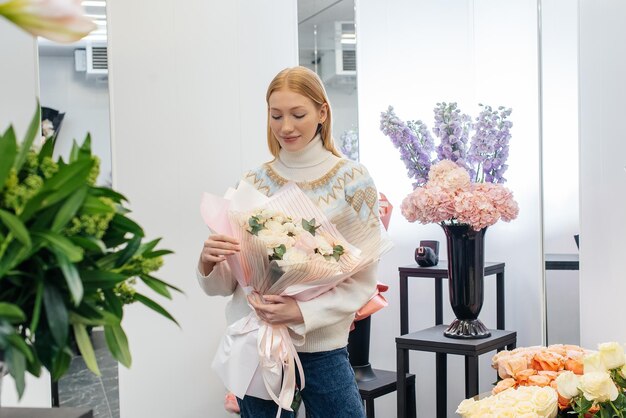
524, 402
290, 242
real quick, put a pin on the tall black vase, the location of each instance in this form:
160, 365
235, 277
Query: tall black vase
359, 350
466, 264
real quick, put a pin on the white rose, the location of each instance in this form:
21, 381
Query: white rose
294, 256
546, 402
323, 246
524, 407
612, 354
623, 371
466, 407
524, 393
598, 387
594, 363
275, 226
273, 239
528, 415
504, 413
567, 384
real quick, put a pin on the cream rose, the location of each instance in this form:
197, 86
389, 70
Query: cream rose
598, 387
567, 385
612, 355
546, 402
594, 363
466, 408
294, 256
623, 371
524, 407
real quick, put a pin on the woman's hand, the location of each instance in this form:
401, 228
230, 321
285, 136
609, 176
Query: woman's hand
215, 250
276, 310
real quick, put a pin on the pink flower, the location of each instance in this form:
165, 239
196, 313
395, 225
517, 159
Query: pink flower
450, 196
57, 20
230, 403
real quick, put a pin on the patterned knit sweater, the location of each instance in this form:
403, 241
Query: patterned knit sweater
329, 181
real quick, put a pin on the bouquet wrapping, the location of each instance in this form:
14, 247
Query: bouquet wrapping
255, 357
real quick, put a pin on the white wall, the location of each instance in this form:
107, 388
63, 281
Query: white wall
602, 67
413, 55
86, 107
188, 109
19, 87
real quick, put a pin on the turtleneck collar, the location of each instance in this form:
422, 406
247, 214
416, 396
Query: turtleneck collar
311, 155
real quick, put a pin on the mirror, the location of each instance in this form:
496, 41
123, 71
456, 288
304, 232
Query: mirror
74, 95
327, 45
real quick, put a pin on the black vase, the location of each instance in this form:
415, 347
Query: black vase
466, 264
359, 350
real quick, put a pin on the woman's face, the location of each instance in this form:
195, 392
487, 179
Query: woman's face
294, 118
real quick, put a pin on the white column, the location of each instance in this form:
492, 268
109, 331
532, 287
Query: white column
602, 65
188, 110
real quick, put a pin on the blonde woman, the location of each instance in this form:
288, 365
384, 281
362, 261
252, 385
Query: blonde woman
299, 137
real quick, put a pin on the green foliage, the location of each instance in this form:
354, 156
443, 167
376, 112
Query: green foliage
69, 259
310, 226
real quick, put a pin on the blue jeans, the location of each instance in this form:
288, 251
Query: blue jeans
330, 390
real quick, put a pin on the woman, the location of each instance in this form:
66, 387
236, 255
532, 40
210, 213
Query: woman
299, 138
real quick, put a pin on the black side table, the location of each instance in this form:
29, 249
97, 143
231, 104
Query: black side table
433, 340
385, 383
440, 272
562, 262
45, 413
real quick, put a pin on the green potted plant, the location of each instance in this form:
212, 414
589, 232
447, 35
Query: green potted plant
69, 258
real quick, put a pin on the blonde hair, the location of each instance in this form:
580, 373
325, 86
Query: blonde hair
303, 81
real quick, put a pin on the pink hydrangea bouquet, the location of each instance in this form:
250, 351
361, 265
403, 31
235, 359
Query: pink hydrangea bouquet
450, 197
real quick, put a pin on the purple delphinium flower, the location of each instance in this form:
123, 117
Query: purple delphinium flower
414, 142
489, 148
452, 128
350, 144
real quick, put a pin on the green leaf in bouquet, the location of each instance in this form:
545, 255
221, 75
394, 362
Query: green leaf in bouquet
16, 362
113, 302
100, 279
95, 206
15, 225
8, 151
19, 344
279, 252
90, 244
12, 313
34, 322
129, 251
148, 246
310, 226
66, 181
56, 314
32, 133
15, 253
157, 253
155, 307
69, 209
72, 278
61, 363
61, 244
118, 344
338, 251
107, 192
255, 225
86, 349
92, 316
159, 286
48, 148
126, 225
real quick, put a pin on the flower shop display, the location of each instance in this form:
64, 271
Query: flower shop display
288, 247
69, 258
587, 383
458, 184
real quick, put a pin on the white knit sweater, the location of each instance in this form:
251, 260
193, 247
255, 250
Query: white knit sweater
328, 180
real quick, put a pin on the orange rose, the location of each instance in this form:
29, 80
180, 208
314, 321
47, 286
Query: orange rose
522, 376
574, 365
548, 373
558, 349
548, 360
538, 380
511, 365
503, 385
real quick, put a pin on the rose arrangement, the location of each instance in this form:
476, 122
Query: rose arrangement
587, 383
291, 242
525, 402
460, 180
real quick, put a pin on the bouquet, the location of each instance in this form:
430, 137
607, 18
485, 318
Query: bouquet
288, 247
460, 180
